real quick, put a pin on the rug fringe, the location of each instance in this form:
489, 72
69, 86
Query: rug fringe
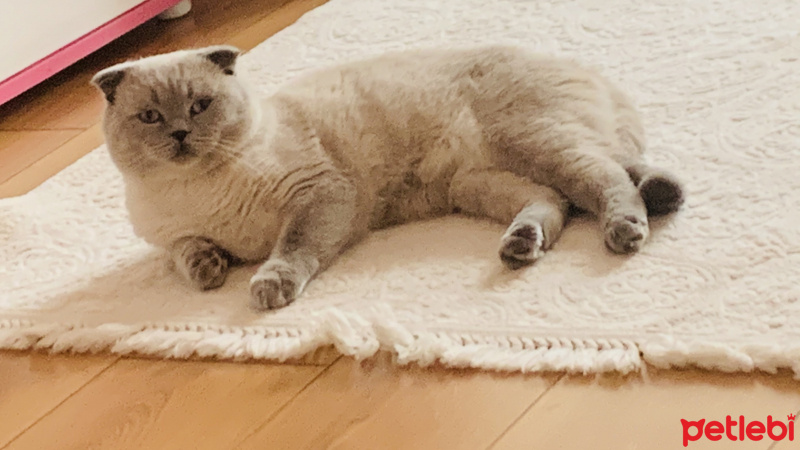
351, 334
668, 352
357, 336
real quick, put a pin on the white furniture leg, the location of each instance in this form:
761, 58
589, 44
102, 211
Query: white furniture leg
179, 10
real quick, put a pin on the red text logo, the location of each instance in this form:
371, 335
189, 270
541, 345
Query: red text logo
738, 430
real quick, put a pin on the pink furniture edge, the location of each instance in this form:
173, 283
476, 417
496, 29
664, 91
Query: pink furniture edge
83, 46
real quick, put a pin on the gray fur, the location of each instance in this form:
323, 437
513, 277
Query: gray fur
295, 178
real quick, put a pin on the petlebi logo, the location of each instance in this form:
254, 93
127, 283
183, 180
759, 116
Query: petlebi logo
738, 430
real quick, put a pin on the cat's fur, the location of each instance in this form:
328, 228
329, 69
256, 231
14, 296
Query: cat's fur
295, 178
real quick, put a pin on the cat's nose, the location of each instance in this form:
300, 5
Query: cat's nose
180, 135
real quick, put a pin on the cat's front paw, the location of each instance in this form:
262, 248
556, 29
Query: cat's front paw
626, 234
522, 245
206, 268
275, 285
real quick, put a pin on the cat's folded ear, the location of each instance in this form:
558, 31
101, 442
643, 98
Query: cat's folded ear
107, 81
223, 56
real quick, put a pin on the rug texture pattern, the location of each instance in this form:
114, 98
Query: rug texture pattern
718, 83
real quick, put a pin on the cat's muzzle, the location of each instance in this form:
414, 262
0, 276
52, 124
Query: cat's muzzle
182, 151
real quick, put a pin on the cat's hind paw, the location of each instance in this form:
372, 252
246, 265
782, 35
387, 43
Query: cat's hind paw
274, 286
662, 193
522, 245
626, 234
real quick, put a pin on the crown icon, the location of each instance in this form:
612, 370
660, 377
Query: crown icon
791, 417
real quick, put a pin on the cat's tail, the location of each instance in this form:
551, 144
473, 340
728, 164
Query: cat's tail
661, 191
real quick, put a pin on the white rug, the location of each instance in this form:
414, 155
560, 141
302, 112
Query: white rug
718, 286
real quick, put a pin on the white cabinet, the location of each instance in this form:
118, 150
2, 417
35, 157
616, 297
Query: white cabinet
41, 37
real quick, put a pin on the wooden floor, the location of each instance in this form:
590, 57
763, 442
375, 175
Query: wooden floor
107, 402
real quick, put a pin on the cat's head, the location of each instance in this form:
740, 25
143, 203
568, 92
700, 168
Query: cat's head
174, 110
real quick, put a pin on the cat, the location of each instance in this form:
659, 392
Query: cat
217, 175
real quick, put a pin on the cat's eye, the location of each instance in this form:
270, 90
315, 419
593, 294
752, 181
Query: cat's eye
199, 106
150, 116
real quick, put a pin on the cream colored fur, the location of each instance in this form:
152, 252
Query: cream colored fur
295, 178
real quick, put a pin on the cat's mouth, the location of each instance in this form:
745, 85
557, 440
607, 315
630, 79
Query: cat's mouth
183, 152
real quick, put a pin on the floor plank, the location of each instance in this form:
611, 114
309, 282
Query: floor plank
373, 405
615, 412
32, 384
139, 404
66, 101
51, 163
20, 149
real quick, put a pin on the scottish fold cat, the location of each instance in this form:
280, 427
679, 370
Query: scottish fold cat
217, 175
